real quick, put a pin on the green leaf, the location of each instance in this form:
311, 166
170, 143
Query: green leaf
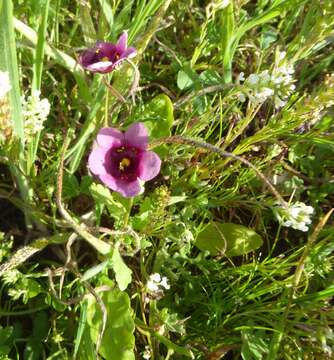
40, 47
8, 62
34, 346
5, 335
184, 81
253, 345
103, 196
94, 270
33, 288
268, 37
107, 12
83, 343
122, 272
71, 187
176, 348
157, 115
228, 238
118, 340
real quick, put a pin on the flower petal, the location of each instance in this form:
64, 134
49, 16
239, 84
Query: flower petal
105, 48
87, 57
109, 138
101, 67
122, 42
129, 53
149, 165
109, 181
96, 160
129, 189
137, 136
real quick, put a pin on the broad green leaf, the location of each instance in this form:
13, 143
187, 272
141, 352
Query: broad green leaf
157, 115
118, 340
103, 196
184, 81
122, 272
229, 239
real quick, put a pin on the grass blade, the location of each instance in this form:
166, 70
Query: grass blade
8, 62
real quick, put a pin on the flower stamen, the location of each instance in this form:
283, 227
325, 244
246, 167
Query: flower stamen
124, 164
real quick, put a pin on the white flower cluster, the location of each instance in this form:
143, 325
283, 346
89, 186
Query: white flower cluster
156, 283
277, 84
147, 354
4, 84
35, 112
297, 216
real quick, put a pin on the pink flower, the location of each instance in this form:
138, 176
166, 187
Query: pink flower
121, 160
104, 57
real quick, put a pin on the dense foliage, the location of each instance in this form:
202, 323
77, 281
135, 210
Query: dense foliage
166, 179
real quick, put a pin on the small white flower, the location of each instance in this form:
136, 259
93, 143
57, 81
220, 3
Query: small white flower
164, 283
297, 216
253, 79
35, 111
281, 55
4, 83
276, 84
241, 97
156, 283
241, 77
147, 353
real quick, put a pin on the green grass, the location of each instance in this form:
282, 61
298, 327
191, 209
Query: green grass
75, 257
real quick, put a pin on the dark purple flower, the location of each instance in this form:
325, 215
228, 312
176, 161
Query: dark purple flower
121, 160
104, 57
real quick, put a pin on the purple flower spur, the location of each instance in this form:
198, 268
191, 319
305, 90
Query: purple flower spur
105, 57
121, 159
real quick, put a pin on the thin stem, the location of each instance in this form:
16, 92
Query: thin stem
135, 82
277, 339
201, 144
106, 109
208, 90
81, 229
127, 215
113, 90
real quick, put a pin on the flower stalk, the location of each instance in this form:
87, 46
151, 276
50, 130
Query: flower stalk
178, 139
101, 246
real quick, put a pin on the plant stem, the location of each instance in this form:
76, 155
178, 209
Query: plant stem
204, 145
127, 215
101, 246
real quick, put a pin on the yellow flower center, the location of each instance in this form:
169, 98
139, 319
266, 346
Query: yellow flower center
124, 163
105, 59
